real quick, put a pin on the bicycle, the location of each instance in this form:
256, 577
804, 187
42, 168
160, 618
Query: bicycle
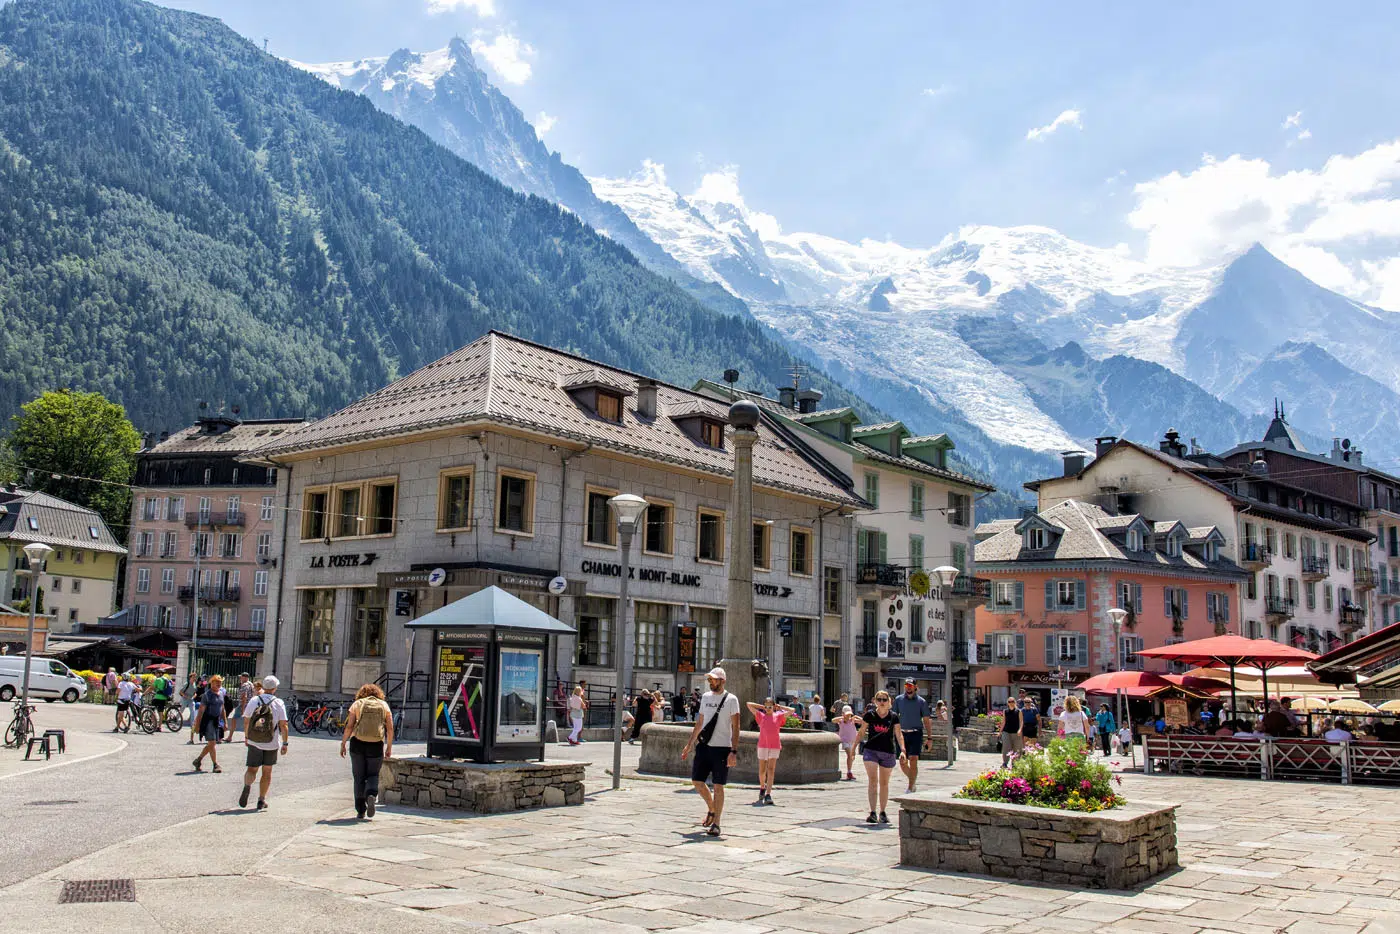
21, 727
334, 723
312, 717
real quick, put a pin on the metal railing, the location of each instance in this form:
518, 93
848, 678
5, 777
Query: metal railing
1363, 576
1273, 758
1255, 553
973, 588
972, 652
213, 594
880, 575
1315, 566
236, 517
1352, 616
1278, 606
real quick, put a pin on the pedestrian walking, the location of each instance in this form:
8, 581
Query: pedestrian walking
189, 694
835, 710
770, 717
265, 737
884, 748
1074, 721
244, 694
209, 722
577, 705
369, 732
847, 728
916, 723
161, 697
109, 685
1011, 740
126, 693
1107, 726
1030, 721
642, 717
713, 740
816, 713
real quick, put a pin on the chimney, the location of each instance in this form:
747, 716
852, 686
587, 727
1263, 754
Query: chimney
1102, 444
646, 398
1356, 456
807, 400
1171, 444
165, 436
787, 397
1337, 454
1074, 461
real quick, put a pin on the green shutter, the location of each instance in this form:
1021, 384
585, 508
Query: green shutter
1021, 602
1052, 651
862, 549
1020, 650
884, 548
1050, 596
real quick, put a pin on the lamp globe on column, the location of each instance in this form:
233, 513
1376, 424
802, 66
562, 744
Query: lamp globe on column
1116, 615
37, 553
944, 575
628, 507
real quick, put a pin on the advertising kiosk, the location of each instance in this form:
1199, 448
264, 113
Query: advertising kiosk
491, 655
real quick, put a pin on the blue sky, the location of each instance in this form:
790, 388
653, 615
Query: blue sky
908, 120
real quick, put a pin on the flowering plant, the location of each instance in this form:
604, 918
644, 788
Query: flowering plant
1059, 775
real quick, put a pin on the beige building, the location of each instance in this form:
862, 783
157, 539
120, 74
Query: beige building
79, 581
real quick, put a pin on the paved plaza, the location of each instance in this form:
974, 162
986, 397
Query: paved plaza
1256, 857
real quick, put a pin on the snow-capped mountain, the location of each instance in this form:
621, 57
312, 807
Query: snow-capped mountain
916, 315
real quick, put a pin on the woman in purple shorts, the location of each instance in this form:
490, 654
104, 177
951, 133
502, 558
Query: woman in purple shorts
884, 748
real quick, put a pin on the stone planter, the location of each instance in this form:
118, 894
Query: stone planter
1114, 849
484, 788
809, 756
973, 739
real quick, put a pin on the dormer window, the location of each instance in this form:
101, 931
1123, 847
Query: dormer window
33, 524
1174, 546
711, 434
1036, 539
609, 407
1134, 541
1208, 551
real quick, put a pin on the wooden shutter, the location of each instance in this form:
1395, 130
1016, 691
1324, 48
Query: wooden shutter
1081, 659
1052, 651
1021, 605
1224, 608
1184, 610
884, 548
1080, 595
990, 641
1051, 597
1137, 598
862, 551
992, 596
1020, 649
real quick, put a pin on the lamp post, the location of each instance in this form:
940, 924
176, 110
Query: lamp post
739, 649
945, 575
1116, 615
37, 553
628, 508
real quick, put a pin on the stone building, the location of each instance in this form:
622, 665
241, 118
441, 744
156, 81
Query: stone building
494, 465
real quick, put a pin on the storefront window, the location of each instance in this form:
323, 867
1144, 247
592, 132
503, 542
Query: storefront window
760, 635
797, 649
317, 621
708, 624
367, 635
653, 625
595, 625
916, 622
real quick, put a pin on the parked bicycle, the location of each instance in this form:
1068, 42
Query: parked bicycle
149, 718
334, 722
311, 717
21, 727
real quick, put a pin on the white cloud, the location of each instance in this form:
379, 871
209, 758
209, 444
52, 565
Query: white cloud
483, 8
1336, 224
507, 57
935, 92
722, 187
544, 123
1292, 120
1066, 118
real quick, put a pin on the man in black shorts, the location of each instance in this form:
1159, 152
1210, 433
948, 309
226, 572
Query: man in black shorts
916, 723
714, 739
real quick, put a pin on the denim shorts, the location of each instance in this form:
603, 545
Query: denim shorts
885, 760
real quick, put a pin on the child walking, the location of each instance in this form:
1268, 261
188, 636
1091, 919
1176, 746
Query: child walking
847, 726
770, 717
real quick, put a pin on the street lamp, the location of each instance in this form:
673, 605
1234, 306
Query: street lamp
37, 553
1116, 616
628, 508
944, 575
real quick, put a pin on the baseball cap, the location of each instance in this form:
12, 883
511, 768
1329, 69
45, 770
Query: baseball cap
270, 683
910, 681
717, 673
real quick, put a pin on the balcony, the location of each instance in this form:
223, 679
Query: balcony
970, 591
1315, 567
212, 520
972, 652
215, 632
1364, 577
881, 575
1278, 607
1255, 557
1352, 617
867, 646
211, 594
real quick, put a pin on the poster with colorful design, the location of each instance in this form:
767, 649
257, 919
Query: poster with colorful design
459, 701
518, 711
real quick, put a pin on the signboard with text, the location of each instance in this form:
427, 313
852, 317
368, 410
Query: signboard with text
685, 648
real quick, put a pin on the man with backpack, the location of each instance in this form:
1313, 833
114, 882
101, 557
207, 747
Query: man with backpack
265, 736
164, 692
715, 740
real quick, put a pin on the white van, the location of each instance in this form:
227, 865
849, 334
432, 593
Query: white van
48, 679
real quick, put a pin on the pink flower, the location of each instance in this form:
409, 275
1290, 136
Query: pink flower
1071, 763
1115, 763
1086, 785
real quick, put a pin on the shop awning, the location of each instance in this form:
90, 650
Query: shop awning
492, 607
1340, 665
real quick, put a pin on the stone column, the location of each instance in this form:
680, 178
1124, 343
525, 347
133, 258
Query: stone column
738, 621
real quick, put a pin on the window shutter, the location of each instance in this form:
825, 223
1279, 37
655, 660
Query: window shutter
1167, 602
862, 551
991, 649
1184, 611
1052, 651
1225, 607
1137, 598
1020, 649
1080, 595
1081, 653
992, 597
884, 548
1021, 605
1050, 596
238, 546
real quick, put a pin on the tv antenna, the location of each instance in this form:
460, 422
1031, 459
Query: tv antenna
797, 371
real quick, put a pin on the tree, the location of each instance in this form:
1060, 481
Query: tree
80, 447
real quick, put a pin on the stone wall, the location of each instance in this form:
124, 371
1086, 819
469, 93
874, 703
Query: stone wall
1114, 849
972, 739
489, 788
809, 756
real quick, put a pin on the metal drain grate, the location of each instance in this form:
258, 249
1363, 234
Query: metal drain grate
54, 803
98, 890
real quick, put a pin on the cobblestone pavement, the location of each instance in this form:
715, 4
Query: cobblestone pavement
1256, 857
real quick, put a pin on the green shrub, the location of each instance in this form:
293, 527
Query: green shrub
1060, 775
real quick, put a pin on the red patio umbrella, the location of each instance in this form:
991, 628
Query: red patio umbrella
160, 667
1231, 651
1132, 683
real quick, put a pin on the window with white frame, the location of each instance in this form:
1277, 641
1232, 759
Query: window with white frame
653, 626
143, 580
1008, 596
257, 618
266, 513
1036, 539
167, 580
1134, 540
1128, 647
260, 583
264, 544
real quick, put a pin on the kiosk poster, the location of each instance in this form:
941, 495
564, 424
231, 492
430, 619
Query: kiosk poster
685, 648
460, 702
1175, 713
522, 678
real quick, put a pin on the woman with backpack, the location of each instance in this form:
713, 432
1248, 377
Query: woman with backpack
209, 722
369, 733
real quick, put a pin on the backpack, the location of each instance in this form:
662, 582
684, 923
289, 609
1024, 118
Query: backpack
261, 725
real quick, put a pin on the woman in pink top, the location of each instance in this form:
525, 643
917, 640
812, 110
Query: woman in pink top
771, 717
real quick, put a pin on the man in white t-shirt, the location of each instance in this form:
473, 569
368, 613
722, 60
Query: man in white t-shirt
265, 735
816, 713
1337, 732
126, 693
715, 740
